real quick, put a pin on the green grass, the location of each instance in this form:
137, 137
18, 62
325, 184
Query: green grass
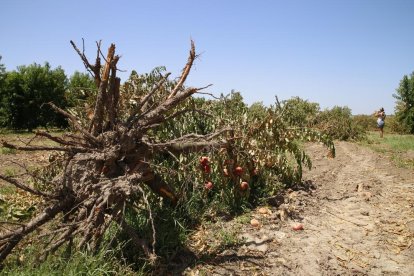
80, 263
400, 148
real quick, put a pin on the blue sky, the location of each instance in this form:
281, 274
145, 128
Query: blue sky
338, 52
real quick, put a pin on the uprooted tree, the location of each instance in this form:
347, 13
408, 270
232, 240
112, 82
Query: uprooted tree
107, 158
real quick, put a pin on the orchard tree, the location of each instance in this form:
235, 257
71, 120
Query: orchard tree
150, 145
81, 86
301, 113
404, 110
25, 92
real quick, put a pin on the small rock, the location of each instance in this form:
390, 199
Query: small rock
279, 235
248, 238
365, 213
281, 261
261, 247
283, 214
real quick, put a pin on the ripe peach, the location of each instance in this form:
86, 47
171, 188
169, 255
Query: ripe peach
204, 160
238, 171
208, 185
244, 186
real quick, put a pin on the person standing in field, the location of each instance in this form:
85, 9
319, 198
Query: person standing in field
380, 120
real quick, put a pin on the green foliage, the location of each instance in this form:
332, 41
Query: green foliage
81, 87
367, 122
300, 113
24, 93
404, 110
339, 124
81, 96
2, 74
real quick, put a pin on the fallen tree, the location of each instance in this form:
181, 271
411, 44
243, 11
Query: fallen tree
107, 162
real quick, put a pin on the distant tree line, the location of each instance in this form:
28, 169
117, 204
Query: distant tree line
25, 92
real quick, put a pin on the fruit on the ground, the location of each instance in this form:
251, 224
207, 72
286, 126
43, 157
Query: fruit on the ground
264, 210
254, 223
208, 185
298, 227
244, 186
238, 171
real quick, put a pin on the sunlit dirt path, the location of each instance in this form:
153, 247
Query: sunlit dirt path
358, 219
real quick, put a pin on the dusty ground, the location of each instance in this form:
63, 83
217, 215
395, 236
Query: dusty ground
357, 211
14, 162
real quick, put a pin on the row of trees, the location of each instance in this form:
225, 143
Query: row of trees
25, 92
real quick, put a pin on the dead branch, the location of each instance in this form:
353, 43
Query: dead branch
41, 148
98, 115
185, 72
75, 123
25, 187
94, 70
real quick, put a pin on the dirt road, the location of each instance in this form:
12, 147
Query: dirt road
357, 211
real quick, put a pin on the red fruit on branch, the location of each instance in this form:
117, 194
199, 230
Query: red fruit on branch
238, 171
204, 160
244, 186
208, 185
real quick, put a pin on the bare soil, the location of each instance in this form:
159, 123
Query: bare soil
357, 212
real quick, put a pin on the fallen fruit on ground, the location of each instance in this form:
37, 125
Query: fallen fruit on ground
254, 223
264, 210
298, 227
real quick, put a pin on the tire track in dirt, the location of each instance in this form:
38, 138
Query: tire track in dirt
360, 222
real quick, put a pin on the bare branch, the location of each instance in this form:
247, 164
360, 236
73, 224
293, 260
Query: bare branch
56, 139
40, 148
185, 72
75, 123
25, 187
